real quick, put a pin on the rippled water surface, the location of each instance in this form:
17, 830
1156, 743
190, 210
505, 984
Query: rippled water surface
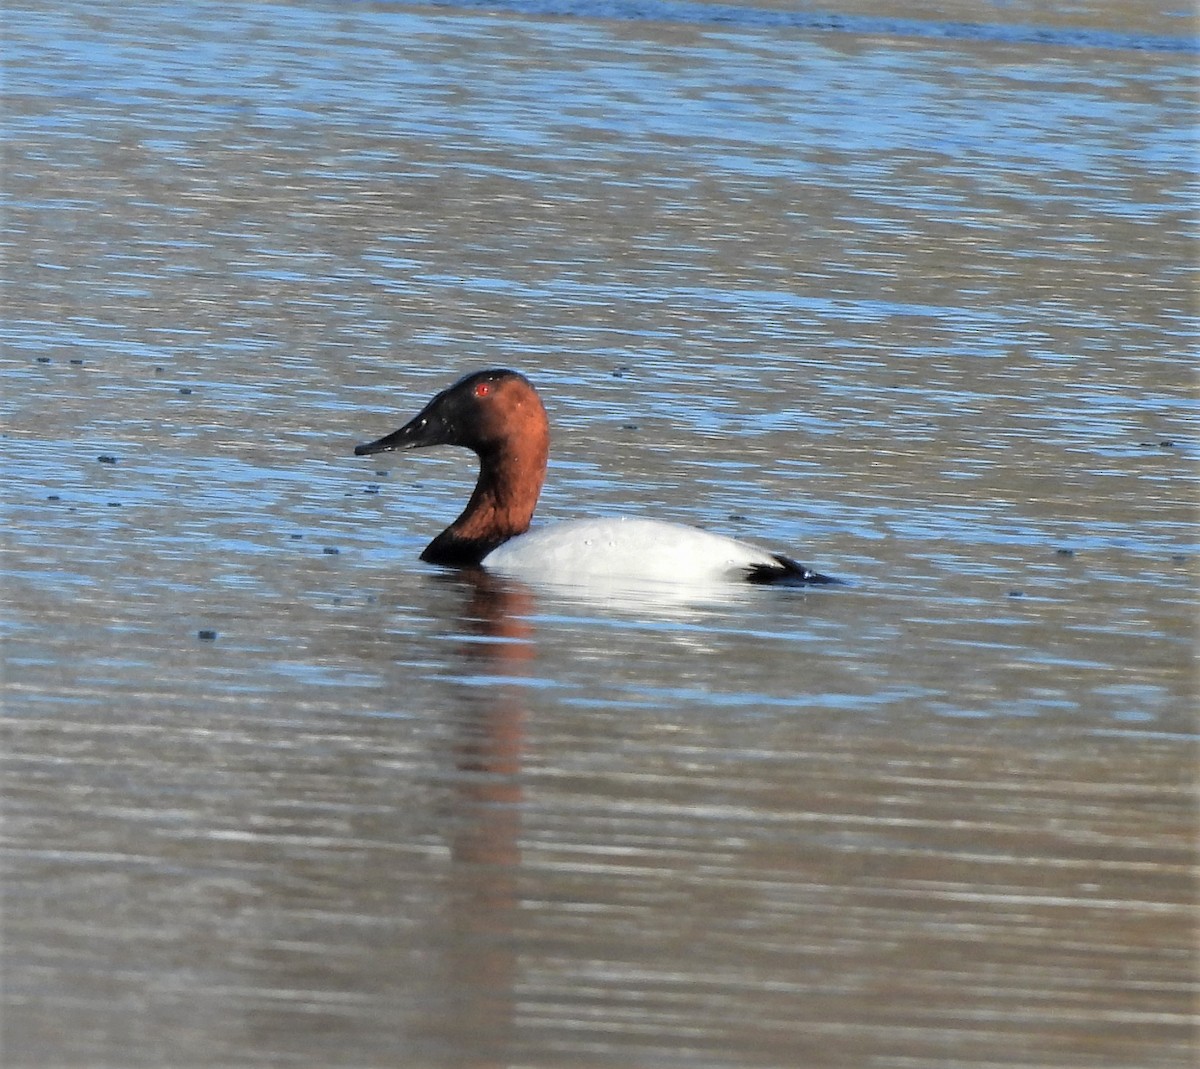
906, 293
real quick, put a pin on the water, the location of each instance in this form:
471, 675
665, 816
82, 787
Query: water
905, 293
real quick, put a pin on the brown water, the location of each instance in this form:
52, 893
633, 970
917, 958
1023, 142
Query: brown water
911, 303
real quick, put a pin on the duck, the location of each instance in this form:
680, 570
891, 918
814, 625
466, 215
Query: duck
498, 415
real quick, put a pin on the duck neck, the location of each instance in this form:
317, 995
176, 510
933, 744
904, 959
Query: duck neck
501, 506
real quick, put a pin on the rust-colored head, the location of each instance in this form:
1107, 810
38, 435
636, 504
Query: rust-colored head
488, 412
498, 415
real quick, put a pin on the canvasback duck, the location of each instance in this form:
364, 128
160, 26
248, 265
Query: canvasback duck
498, 415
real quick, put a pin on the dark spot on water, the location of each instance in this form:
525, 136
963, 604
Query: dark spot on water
206, 635
185, 389
114, 504
1016, 593
337, 601
333, 551
296, 536
104, 458
629, 427
77, 362
1179, 558
371, 489
1064, 552
1166, 443
43, 359
159, 370
383, 474
53, 497
737, 517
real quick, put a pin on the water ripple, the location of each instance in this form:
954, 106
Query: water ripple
700, 14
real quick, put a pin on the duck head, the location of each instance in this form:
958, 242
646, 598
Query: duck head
489, 412
498, 415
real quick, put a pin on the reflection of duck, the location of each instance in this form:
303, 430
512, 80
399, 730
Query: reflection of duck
485, 829
498, 415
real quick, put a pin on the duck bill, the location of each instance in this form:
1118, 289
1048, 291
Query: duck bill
423, 430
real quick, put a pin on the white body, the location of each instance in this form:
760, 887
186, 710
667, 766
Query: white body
625, 550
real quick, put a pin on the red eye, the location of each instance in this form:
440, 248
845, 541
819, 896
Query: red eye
482, 389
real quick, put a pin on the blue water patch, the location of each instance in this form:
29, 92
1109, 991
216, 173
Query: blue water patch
701, 14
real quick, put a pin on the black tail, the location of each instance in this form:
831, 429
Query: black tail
786, 572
